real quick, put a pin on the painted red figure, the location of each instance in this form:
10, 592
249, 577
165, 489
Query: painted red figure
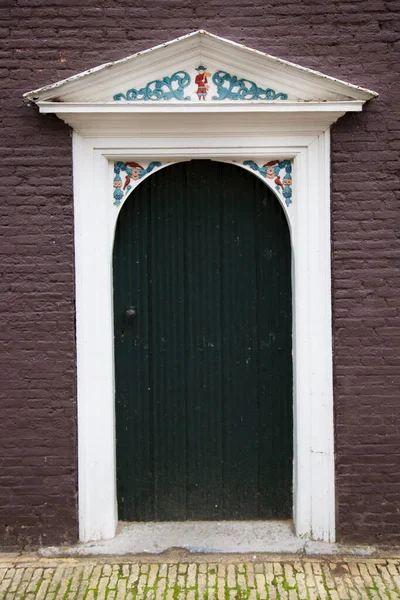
202, 82
278, 182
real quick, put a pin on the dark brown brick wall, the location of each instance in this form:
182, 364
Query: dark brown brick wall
42, 41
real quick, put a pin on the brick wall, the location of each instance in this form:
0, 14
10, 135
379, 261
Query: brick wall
42, 41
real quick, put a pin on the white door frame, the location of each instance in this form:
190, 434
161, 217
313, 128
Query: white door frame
309, 221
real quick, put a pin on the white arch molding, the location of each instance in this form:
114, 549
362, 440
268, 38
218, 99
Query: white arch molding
256, 127
309, 222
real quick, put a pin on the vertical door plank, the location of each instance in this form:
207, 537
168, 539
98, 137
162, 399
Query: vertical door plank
132, 362
239, 343
167, 341
203, 341
274, 357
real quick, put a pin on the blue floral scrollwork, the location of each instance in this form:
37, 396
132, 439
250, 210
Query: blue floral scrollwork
280, 171
229, 87
166, 88
133, 172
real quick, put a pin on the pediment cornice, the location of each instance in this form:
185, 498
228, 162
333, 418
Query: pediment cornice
194, 74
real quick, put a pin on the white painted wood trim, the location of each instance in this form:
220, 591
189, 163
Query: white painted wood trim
309, 221
95, 346
271, 106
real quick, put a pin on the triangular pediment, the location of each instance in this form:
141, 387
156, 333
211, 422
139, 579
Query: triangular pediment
199, 68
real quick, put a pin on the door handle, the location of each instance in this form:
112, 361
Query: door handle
130, 313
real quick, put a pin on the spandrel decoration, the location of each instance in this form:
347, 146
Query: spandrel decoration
127, 175
279, 174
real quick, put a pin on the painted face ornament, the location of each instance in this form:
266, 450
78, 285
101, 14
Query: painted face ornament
202, 82
133, 172
287, 189
270, 173
287, 180
118, 193
287, 185
272, 170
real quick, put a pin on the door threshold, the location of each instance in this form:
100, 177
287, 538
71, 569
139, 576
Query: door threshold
179, 538
198, 537
211, 536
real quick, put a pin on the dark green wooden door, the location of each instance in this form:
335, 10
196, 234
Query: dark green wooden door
204, 369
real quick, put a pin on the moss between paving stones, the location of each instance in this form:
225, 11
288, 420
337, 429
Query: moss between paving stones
283, 580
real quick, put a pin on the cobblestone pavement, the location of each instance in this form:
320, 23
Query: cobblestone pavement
196, 578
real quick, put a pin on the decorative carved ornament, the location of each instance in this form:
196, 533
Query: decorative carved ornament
206, 86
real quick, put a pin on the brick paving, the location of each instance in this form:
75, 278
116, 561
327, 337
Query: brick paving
198, 578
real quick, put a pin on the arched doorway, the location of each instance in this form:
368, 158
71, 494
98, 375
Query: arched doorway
203, 364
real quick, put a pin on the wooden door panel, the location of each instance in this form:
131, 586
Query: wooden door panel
204, 371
